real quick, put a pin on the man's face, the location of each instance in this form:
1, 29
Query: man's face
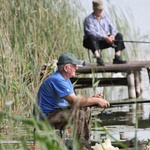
98, 12
71, 72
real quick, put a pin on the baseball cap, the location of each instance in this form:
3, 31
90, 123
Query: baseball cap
68, 58
98, 4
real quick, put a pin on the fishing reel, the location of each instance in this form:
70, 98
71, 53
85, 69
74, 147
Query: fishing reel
113, 45
105, 113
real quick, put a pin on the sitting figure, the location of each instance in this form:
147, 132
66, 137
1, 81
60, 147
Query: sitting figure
60, 105
99, 33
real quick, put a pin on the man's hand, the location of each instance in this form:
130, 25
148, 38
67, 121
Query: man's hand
103, 103
110, 39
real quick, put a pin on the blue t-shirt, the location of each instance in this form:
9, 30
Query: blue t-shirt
51, 93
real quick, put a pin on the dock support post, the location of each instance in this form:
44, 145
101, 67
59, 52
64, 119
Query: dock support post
131, 85
138, 87
148, 71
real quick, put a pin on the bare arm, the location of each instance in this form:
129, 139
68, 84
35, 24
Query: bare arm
87, 101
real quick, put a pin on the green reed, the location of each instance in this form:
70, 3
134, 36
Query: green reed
32, 33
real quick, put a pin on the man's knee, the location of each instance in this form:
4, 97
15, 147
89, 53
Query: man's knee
91, 43
58, 119
119, 36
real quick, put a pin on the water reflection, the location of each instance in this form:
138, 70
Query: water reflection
125, 119
127, 115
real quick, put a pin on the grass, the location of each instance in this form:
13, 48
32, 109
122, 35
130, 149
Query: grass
32, 33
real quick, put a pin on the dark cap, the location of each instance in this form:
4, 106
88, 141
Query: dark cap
68, 58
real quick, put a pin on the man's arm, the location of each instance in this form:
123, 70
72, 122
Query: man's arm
82, 101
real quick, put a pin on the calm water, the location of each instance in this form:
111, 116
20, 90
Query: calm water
123, 119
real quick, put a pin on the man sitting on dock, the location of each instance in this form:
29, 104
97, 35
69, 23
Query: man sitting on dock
56, 94
100, 33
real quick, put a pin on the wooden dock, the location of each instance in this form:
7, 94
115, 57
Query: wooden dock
131, 78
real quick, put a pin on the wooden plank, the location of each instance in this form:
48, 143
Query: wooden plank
88, 82
130, 66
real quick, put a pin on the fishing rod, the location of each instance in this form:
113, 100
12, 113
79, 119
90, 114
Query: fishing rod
129, 102
115, 104
118, 104
130, 41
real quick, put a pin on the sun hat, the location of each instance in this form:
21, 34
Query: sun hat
98, 4
68, 58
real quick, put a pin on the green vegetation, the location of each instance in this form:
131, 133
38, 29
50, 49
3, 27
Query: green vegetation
33, 33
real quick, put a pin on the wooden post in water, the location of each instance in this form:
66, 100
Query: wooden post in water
131, 85
148, 71
138, 87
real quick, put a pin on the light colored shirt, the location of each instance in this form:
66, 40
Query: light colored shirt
99, 28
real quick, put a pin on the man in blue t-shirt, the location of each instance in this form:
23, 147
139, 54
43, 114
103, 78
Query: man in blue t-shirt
56, 93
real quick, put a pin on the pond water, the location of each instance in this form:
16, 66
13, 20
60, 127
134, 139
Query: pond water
121, 123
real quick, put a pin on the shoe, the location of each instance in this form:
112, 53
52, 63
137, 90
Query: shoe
118, 60
100, 61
